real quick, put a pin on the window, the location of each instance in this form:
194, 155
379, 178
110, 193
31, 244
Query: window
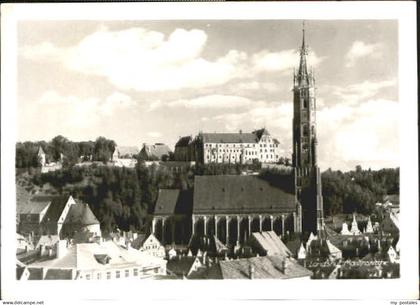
135, 272
108, 275
127, 273
88, 276
99, 276
117, 274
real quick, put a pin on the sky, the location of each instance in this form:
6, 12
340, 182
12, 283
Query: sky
153, 81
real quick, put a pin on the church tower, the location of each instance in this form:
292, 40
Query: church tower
307, 173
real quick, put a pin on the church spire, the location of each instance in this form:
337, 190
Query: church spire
302, 77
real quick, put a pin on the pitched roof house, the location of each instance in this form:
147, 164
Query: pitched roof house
105, 260
157, 151
56, 215
261, 267
239, 194
125, 152
268, 243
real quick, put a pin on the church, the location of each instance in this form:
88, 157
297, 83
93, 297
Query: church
231, 207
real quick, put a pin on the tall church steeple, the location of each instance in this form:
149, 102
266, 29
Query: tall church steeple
308, 177
302, 76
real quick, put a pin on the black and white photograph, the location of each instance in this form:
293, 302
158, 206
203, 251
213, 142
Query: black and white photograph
206, 148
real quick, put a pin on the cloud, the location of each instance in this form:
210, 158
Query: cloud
365, 134
55, 113
359, 49
144, 60
358, 92
281, 61
212, 101
154, 134
116, 101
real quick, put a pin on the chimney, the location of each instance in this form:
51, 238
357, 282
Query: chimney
251, 272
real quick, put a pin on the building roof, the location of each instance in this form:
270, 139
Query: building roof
56, 208
229, 138
261, 132
271, 243
173, 201
59, 274
183, 141
239, 194
181, 266
35, 205
293, 245
393, 198
41, 151
80, 213
84, 257
264, 267
127, 150
35, 274
157, 150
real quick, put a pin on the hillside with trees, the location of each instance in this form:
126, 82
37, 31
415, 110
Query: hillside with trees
124, 197
99, 150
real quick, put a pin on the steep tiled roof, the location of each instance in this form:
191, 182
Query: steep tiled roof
173, 202
127, 150
82, 257
260, 132
239, 194
271, 243
59, 274
139, 241
35, 205
56, 208
183, 141
265, 267
229, 138
156, 150
41, 151
181, 266
80, 213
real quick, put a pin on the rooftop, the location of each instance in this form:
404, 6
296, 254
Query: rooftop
239, 194
264, 267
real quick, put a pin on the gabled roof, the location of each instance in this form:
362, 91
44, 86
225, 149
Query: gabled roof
183, 141
156, 150
56, 208
331, 248
228, 138
265, 267
127, 150
261, 132
181, 266
239, 194
141, 239
271, 243
35, 205
84, 257
41, 151
173, 201
80, 213
59, 274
